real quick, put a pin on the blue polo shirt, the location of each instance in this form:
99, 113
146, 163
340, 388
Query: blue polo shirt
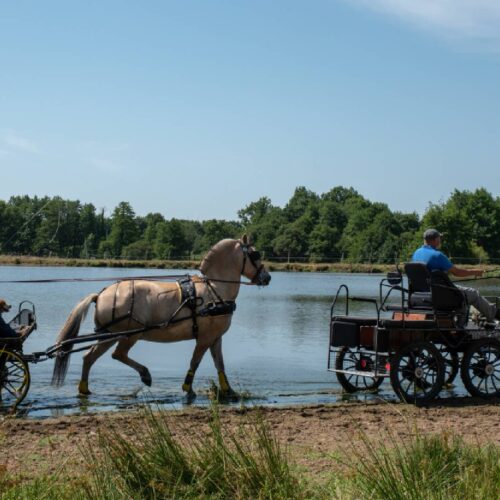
434, 259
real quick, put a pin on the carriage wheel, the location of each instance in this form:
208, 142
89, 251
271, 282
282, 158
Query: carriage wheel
14, 379
417, 372
451, 362
353, 359
480, 369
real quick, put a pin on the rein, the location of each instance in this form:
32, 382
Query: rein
122, 278
253, 257
497, 276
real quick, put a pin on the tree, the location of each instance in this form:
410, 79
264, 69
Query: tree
171, 240
303, 200
124, 230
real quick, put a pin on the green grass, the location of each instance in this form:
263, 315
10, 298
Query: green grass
222, 463
247, 461
430, 467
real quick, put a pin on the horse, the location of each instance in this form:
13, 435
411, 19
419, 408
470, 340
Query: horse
198, 307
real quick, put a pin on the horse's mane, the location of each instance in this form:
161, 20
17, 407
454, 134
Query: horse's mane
205, 263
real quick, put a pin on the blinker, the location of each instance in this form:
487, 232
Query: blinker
254, 256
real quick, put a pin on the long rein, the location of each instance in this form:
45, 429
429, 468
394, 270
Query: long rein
126, 278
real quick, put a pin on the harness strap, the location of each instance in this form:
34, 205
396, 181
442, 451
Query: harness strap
188, 289
189, 299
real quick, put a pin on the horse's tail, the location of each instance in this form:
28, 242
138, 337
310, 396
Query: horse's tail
70, 331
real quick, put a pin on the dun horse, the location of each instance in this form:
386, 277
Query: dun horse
198, 307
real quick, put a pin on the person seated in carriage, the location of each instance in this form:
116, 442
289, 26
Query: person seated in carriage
6, 331
434, 259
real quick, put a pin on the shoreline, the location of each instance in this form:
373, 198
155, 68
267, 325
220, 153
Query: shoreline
338, 267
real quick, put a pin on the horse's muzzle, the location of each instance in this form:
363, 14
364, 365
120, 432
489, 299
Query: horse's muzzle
263, 278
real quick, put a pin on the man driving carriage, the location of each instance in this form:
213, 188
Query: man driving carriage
434, 259
6, 331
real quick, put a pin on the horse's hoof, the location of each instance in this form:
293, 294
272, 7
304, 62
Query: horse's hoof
230, 395
146, 379
190, 396
83, 389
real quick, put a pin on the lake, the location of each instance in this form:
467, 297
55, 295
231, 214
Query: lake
275, 351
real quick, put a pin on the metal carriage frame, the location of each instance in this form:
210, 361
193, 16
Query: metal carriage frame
420, 349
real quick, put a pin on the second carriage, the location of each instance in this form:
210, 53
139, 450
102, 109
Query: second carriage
428, 338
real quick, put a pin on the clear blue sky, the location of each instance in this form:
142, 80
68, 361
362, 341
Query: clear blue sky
196, 108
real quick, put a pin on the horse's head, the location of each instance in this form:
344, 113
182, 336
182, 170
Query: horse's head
252, 266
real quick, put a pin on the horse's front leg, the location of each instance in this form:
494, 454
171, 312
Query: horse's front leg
216, 351
198, 353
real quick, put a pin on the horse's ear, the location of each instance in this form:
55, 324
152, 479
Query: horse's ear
244, 239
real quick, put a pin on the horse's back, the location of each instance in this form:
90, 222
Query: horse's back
135, 303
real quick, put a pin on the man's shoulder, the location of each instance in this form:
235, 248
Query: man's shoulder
424, 251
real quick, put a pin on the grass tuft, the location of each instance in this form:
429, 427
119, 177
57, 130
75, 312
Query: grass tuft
221, 463
425, 467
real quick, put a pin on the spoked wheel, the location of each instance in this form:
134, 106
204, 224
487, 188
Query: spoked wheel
451, 362
356, 361
14, 379
417, 372
480, 369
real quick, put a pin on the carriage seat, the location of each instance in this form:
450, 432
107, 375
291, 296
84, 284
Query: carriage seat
419, 289
446, 296
420, 300
433, 291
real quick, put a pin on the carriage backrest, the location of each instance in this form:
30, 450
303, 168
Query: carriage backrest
418, 277
446, 296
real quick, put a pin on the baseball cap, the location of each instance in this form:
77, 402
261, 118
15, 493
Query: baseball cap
431, 234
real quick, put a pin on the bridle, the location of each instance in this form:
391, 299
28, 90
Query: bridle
253, 256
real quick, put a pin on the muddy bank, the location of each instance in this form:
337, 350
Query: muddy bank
313, 434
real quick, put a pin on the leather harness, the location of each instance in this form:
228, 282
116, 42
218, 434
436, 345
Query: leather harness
188, 298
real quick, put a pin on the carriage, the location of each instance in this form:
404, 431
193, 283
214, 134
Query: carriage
420, 336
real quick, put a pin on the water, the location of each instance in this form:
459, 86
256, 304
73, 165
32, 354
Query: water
275, 351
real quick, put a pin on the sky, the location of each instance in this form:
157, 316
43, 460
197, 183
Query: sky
196, 108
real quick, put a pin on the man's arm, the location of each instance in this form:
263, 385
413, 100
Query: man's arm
463, 273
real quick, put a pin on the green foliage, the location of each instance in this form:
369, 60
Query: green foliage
337, 225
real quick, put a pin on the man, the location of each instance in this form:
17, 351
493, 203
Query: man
6, 331
435, 260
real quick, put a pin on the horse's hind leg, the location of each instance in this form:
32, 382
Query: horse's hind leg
216, 351
89, 358
198, 353
121, 354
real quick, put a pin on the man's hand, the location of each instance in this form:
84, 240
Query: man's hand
25, 330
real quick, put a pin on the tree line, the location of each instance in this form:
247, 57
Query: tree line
339, 225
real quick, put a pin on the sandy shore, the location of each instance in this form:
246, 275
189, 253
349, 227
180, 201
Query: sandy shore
311, 433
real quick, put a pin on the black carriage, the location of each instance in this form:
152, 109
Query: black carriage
426, 338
